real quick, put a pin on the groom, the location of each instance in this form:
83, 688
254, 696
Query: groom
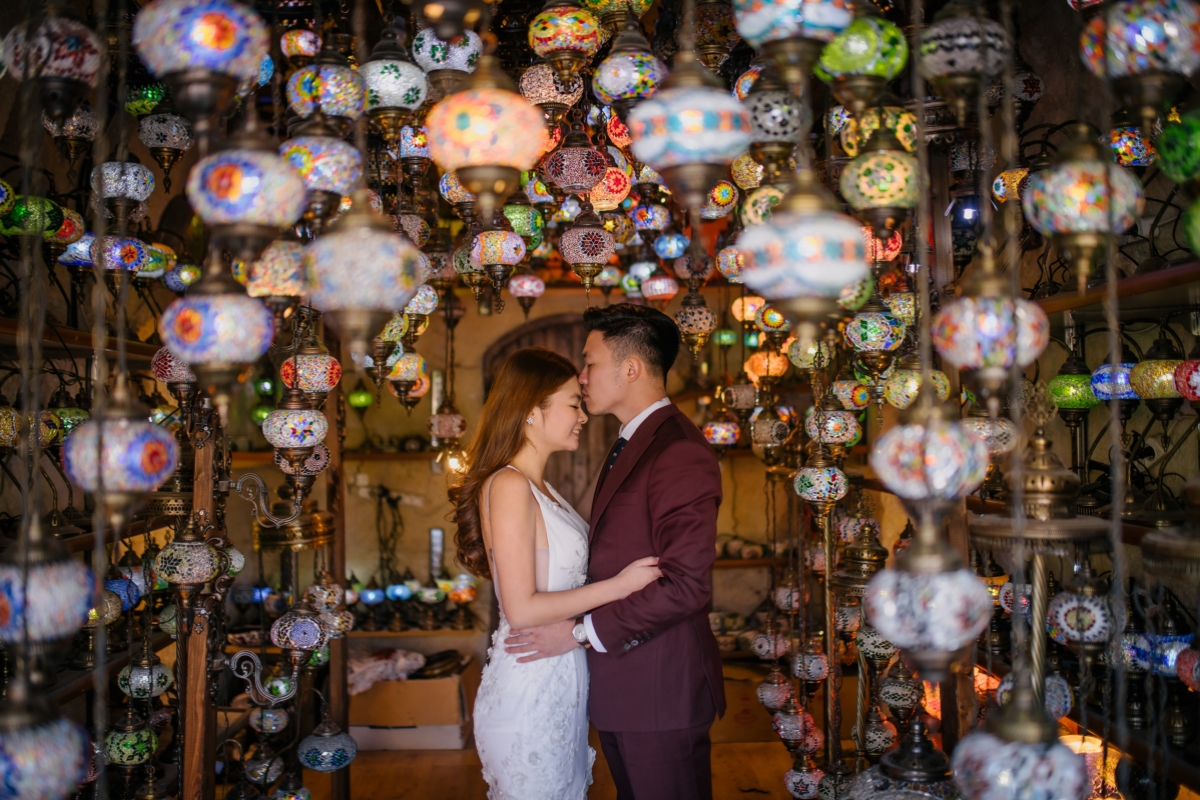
656, 683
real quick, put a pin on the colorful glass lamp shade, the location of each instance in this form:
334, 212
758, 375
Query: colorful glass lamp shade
203, 50
566, 36
44, 755
482, 135
1080, 198
630, 72
958, 49
327, 748
395, 86
447, 62
542, 87
64, 57
329, 86
360, 273
860, 60
881, 183
792, 34
691, 157
245, 192
54, 601
1147, 48
134, 455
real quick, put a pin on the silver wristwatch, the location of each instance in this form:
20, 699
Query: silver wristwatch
580, 633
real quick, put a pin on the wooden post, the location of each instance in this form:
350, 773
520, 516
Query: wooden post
339, 697
958, 693
196, 781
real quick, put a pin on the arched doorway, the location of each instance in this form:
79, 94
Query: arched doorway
572, 474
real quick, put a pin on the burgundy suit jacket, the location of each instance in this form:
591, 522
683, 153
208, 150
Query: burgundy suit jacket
662, 670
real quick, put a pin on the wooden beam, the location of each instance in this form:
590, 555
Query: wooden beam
196, 781
335, 503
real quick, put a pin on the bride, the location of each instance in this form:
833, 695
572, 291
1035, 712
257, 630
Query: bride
531, 725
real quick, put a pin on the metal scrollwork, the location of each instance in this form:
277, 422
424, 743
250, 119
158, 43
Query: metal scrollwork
252, 489
246, 665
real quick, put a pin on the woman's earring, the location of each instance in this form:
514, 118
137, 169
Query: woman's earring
529, 421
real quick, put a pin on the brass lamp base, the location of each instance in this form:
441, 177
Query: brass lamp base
959, 90
794, 59
200, 95
884, 220
858, 92
447, 81
490, 183
1080, 250
566, 64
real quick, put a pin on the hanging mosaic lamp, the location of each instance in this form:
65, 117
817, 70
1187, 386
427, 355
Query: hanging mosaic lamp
278, 277
694, 157
329, 167
33, 217
217, 330
45, 755
74, 134
1179, 148
312, 370
1148, 49
64, 58
863, 58
881, 183
929, 604
587, 247
527, 288
134, 455
482, 135
630, 72
778, 122
960, 49
167, 136
447, 62
395, 86
1019, 733
716, 32
414, 152
327, 748
1079, 199
930, 459
202, 50
792, 34
986, 331
696, 322
245, 192
804, 256
903, 385
48, 607
360, 273
576, 166
541, 86
1153, 378
566, 36
300, 46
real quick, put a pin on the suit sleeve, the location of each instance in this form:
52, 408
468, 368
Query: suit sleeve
684, 493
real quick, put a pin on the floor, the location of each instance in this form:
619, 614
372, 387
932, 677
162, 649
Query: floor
742, 770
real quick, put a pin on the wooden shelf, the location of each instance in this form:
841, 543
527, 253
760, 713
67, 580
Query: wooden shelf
86, 541
410, 634
258, 458
1153, 290
59, 341
1183, 766
73, 683
749, 563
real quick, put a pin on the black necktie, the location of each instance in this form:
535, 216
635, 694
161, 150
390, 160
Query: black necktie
616, 451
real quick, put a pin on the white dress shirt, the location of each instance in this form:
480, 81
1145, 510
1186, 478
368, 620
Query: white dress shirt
626, 433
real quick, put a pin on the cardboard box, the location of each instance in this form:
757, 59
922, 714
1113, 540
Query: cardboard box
432, 714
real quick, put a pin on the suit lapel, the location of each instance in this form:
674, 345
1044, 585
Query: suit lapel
608, 484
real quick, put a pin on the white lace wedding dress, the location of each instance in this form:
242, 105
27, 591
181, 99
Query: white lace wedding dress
531, 723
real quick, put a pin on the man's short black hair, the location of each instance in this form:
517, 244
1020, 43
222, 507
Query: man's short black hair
637, 330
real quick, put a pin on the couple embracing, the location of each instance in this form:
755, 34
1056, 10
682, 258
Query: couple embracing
609, 621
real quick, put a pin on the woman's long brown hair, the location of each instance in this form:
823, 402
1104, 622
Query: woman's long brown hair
527, 380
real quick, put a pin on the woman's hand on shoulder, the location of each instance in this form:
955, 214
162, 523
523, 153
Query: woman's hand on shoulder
639, 574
